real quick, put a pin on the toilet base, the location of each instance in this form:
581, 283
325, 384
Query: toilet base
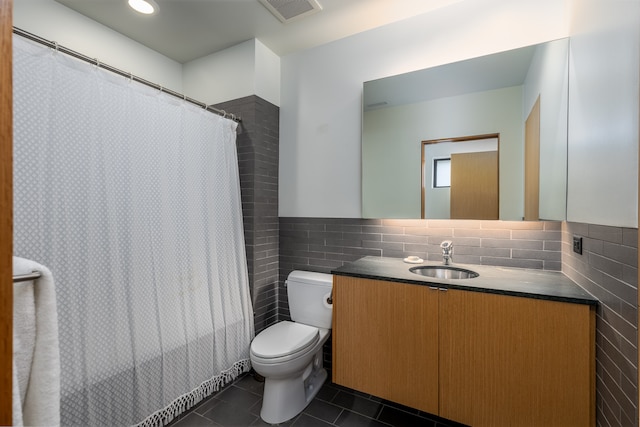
284, 398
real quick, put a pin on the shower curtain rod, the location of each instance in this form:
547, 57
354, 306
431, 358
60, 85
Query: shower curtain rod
96, 62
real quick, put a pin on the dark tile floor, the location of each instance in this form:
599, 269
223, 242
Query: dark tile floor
238, 405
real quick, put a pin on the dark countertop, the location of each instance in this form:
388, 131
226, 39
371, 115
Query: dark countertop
540, 284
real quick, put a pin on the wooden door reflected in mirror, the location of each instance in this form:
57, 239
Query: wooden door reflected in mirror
460, 178
474, 185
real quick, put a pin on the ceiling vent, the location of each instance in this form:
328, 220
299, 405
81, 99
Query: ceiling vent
290, 10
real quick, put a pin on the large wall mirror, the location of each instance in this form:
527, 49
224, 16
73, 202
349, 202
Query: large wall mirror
519, 97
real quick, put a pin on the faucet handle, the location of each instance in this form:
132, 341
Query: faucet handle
447, 251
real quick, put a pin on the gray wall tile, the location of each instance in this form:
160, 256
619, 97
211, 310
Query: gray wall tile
257, 147
607, 269
334, 241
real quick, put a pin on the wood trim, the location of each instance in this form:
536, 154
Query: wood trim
6, 210
464, 138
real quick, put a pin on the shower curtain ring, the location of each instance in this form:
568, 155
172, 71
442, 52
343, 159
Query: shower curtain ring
56, 46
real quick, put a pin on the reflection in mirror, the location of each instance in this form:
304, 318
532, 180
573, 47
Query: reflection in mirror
532, 164
460, 177
494, 94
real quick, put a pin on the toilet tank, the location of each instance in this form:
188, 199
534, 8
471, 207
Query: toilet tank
307, 293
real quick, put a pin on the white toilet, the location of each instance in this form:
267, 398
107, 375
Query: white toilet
289, 354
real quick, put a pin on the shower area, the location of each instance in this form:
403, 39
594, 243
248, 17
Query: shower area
131, 197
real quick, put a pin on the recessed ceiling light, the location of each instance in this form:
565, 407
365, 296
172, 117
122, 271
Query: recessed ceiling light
148, 7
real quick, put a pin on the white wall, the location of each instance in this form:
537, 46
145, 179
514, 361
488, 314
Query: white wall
320, 116
55, 22
267, 74
603, 112
248, 68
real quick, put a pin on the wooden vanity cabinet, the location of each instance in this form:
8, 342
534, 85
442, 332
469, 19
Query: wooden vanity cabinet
477, 358
385, 339
514, 361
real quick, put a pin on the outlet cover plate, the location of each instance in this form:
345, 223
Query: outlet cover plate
577, 244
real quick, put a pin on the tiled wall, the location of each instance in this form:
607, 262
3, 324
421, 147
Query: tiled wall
321, 244
257, 144
608, 269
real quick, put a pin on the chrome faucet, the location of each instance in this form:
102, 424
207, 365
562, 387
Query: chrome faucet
447, 252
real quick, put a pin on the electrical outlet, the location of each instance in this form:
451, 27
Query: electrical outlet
577, 245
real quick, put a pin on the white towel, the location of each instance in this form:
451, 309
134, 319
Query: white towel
36, 356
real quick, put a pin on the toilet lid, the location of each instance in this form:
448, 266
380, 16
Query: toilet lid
284, 338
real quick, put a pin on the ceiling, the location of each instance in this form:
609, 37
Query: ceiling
184, 30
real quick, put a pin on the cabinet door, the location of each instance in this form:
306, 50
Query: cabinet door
509, 361
385, 340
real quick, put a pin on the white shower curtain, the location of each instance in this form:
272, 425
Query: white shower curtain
131, 197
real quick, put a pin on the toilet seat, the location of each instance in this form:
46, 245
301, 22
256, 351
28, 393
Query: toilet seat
284, 341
